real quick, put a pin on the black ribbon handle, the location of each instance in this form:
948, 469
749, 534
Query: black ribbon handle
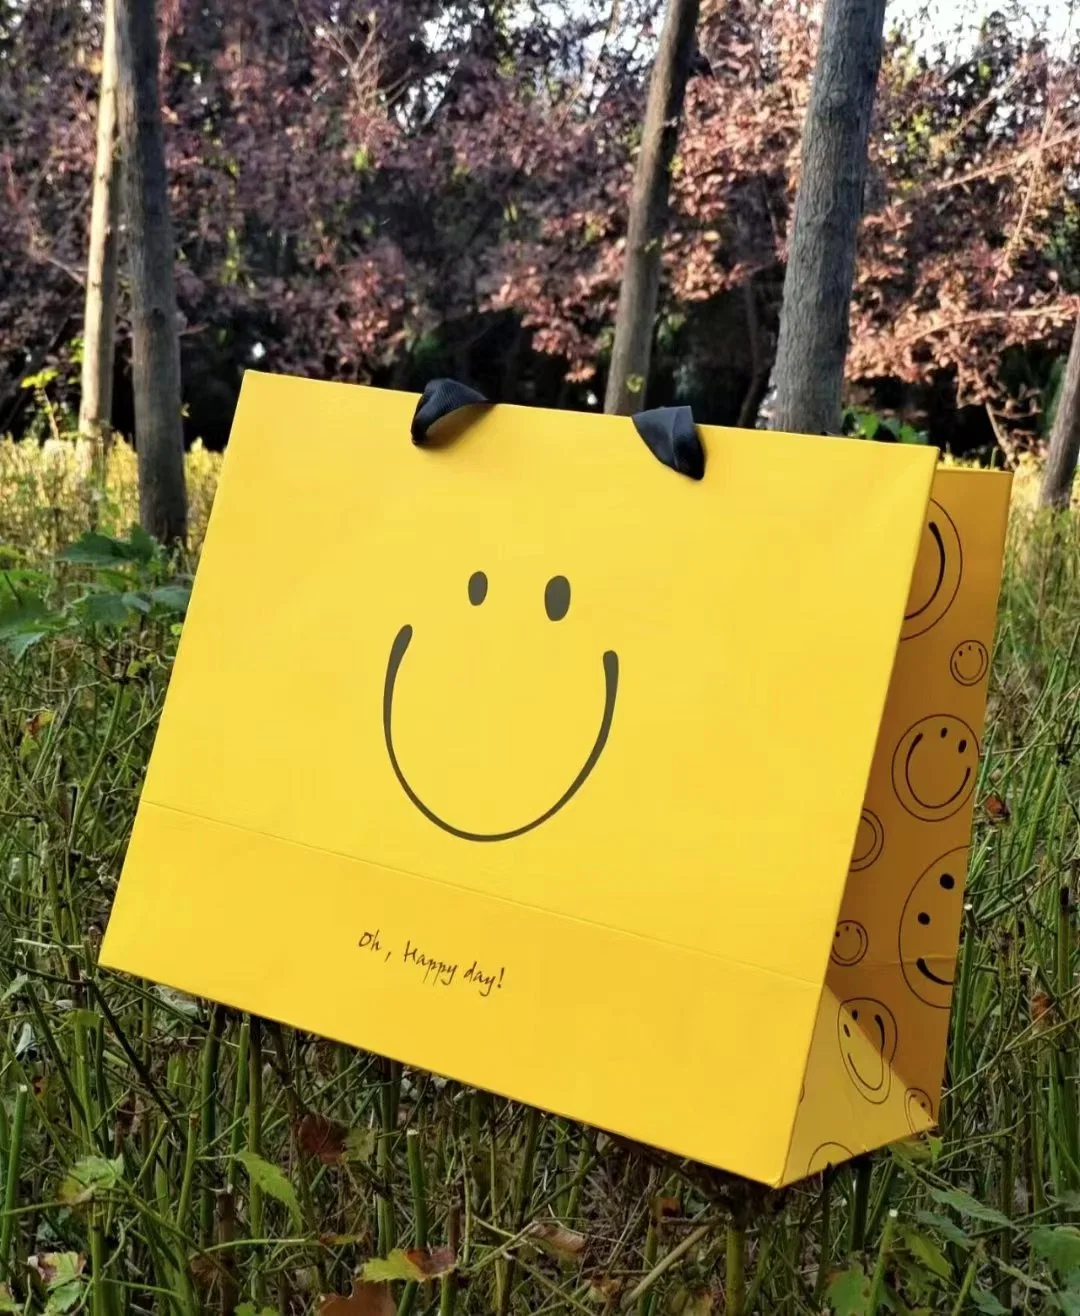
669, 432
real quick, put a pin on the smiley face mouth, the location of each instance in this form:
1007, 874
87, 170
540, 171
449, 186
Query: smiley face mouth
611, 687
940, 543
871, 1087
928, 804
927, 972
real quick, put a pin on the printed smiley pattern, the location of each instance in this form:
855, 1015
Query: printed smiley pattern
875, 1065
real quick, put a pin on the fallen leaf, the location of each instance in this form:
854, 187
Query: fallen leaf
364, 1300
56, 1267
665, 1207
566, 1244
397, 1265
316, 1135
1042, 1011
433, 1262
996, 809
89, 1177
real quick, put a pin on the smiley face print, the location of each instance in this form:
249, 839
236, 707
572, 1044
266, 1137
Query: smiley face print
850, 943
555, 603
828, 1155
935, 767
969, 662
869, 841
919, 1110
938, 569
866, 1031
930, 929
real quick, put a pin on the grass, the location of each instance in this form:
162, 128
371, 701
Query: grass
163, 1154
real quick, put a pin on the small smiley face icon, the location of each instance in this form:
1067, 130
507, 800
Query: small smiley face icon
930, 929
866, 1031
828, 1155
556, 604
919, 1110
938, 569
969, 662
869, 841
935, 767
850, 943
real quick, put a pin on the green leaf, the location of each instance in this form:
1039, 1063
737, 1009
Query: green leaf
249, 1309
946, 1228
105, 609
987, 1303
89, 1177
396, 1266
272, 1181
7, 1302
17, 645
96, 550
61, 1273
174, 598
21, 613
848, 1293
142, 545
966, 1205
360, 1144
1059, 1246
927, 1253
137, 602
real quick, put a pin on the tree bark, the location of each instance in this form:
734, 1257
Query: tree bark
159, 437
1065, 437
99, 320
648, 211
814, 318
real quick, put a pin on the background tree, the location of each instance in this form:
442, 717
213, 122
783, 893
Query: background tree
636, 315
1064, 449
99, 321
155, 356
821, 263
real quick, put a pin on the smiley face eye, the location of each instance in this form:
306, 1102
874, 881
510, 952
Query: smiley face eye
477, 588
557, 598
924, 919
847, 1031
962, 746
947, 881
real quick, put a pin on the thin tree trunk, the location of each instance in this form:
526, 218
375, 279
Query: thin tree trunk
99, 321
648, 211
813, 342
159, 436
1065, 437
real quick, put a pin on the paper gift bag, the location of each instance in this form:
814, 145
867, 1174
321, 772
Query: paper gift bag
526, 760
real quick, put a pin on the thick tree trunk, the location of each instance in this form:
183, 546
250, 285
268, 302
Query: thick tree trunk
813, 343
648, 212
159, 435
1065, 437
99, 321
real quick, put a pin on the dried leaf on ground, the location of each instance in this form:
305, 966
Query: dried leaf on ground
316, 1135
366, 1299
566, 1244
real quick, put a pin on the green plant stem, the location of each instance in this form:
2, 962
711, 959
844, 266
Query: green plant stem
11, 1185
735, 1268
877, 1280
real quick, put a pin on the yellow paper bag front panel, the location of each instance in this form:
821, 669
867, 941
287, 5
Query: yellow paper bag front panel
597, 703
875, 1068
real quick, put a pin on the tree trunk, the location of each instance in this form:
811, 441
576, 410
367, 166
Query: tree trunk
1065, 437
813, 342
159, 436
99, 321
648, 212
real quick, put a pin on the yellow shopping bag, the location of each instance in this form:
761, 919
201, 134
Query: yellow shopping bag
524, 759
